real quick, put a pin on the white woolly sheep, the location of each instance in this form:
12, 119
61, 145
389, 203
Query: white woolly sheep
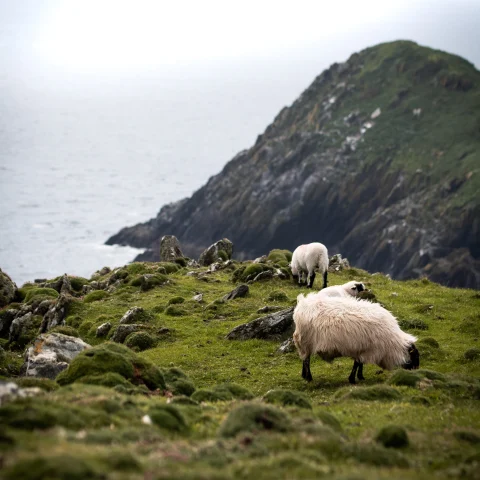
308, 258
346, 327
349, 289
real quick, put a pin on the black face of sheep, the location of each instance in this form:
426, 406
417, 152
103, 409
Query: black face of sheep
414, 361
359, 287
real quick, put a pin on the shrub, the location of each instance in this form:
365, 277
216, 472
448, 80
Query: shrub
392, 436
254, 417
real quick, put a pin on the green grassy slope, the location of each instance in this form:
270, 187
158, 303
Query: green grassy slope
90, 431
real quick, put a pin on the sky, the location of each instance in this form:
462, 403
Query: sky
100, 38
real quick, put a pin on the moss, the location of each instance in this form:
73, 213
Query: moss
173, 373
280, 256
252, 270
329, 420
404, 377
85, 327
140, 340
138, 268
238, 273
65, 330
415, 324
153, 281
115, 358
237, 391
376, 455
376, 392
168, 417
181, 386
109, 379
472, 354
254, 417
176, 300
467, 436
169, 267
223, 255
431, 374
222, 392
392, 436
40, 293
183, 400
174, 311
277, 296
287, 397
95, 296
56, 467
182, 261
77, 283
421, 400
43, 383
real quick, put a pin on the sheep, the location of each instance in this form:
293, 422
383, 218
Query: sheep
346, 327
308, 258
349, 289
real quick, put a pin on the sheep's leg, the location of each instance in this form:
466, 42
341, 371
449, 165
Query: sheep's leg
306, 373
325, 279
310, 280
360, 371
351, 378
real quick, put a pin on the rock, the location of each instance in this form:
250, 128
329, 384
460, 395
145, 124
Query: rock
270, 327
50, 354
135, 314
287, 346
266, 275
7, 289
170, 249
192, 264
222, 249
6, 319
376, 113
66, 287
262, 259
337, 263
198, 298
238, 292
18, 326
103, 329
269, 308
123, 331
10, 391
43, 307
56, 314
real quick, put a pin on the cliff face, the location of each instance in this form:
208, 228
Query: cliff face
378, 159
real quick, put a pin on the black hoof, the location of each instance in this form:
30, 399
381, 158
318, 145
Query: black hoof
361, 377
351, 380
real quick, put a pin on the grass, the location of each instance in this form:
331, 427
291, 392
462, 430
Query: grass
118, 425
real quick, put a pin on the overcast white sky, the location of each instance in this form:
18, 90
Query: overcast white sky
119, 36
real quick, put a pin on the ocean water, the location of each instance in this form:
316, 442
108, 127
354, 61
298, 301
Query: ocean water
82, 159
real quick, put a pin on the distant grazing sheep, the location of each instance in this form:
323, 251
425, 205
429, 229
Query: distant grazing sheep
346, 327
308, 258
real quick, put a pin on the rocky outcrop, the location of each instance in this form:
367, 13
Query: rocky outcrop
349, 165
50, 354
170, 249
271, 327
238, 292
7, 289
56, 314
223, 250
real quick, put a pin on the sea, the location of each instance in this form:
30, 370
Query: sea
83, 156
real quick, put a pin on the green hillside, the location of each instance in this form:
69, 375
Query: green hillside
211, 404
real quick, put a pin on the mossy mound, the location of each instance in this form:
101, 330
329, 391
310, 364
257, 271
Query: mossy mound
182, 261
280, 257
43, 383
177, 382
329, 420
95, 296
370, 394
405, 377
375, 455
393, 436
149, 281
169, 418
174, 311
38, 293
138, 268
115, 358
222, 392
467, 436
109, 379
176, 301
254, 417
183, 400
431, 374
55, 467
472, 354
78, 283
140, 341
250, 272
277, 296
65, 330
428, 341
414, 324
287, 397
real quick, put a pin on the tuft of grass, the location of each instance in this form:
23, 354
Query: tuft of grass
95, 296
393, 436
369, 394
287, 398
